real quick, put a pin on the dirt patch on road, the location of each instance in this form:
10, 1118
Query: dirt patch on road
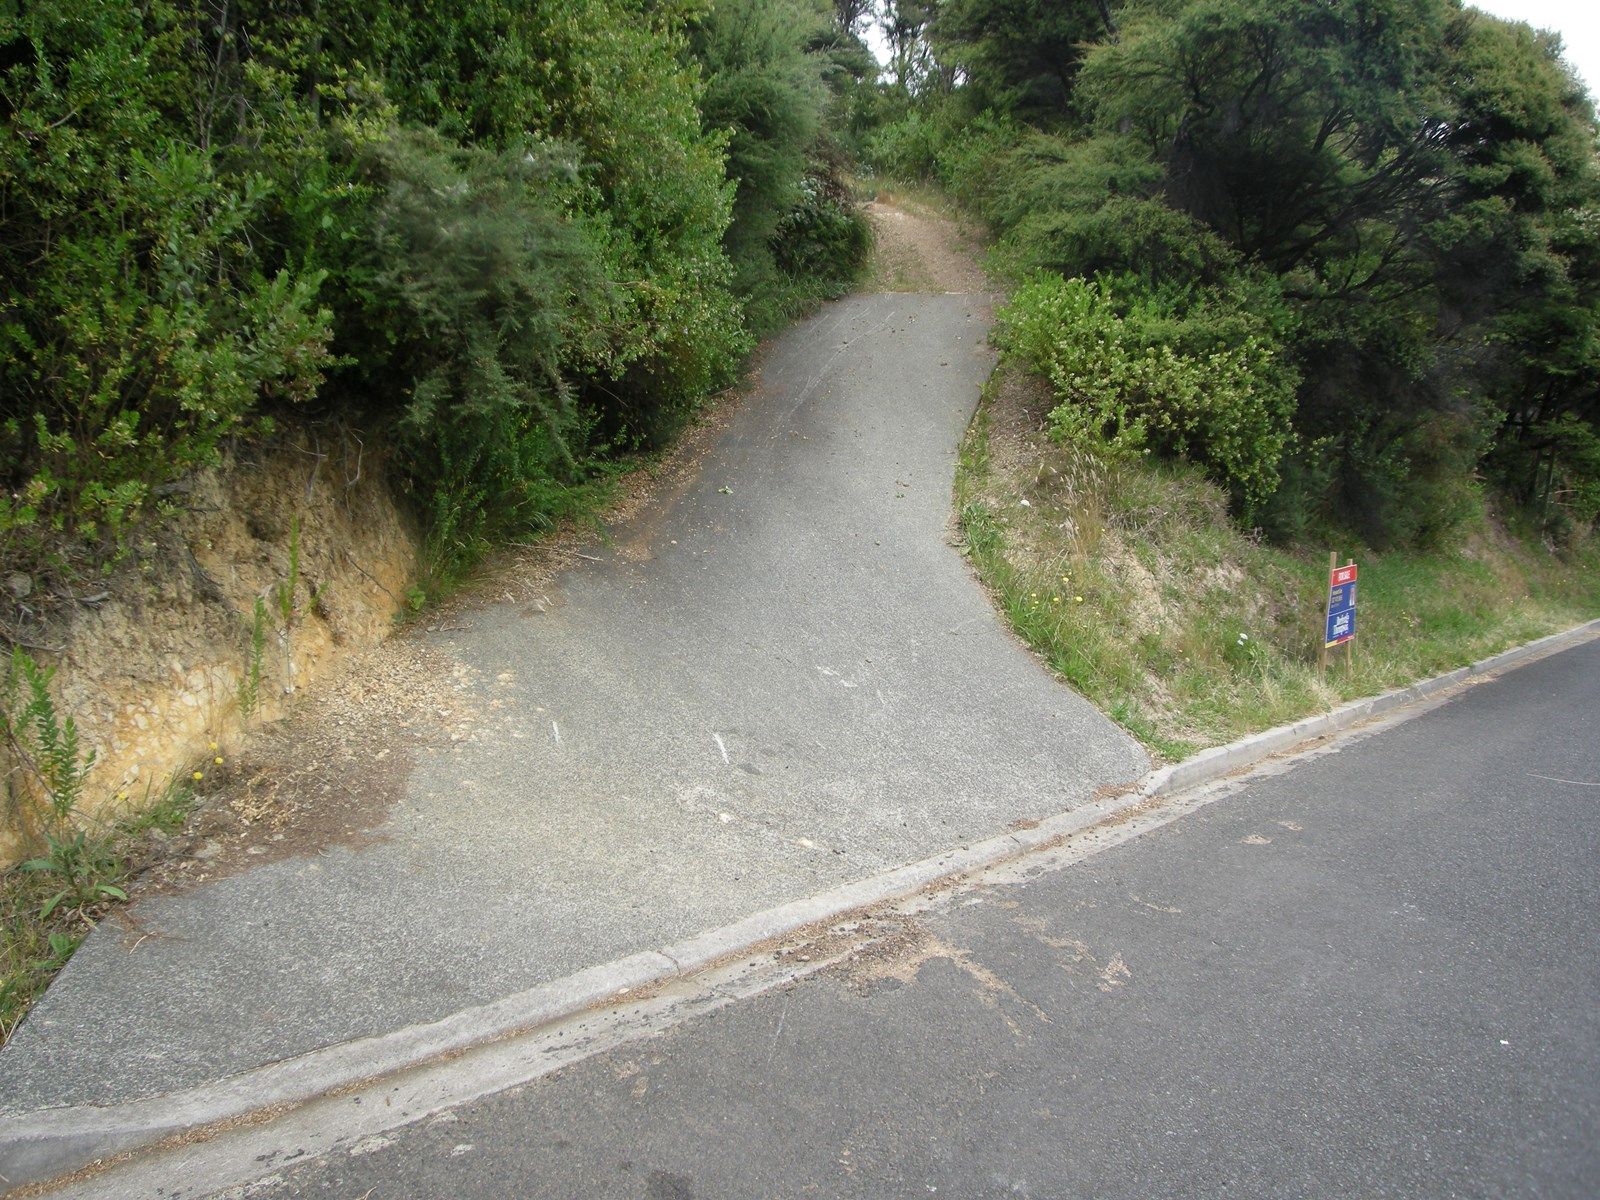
326, 775
918, 250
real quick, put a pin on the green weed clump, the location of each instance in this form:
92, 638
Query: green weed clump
31, 951
40, 929
47, 900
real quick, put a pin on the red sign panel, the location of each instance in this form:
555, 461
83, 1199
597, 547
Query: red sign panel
1342, 575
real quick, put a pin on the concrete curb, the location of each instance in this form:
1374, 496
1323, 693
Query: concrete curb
42, 1145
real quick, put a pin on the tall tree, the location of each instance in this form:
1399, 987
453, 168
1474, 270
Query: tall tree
1417, 178
905, 27
1524, 251
851, 16
1021, 56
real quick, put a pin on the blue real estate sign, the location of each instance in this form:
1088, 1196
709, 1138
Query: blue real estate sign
1341, 606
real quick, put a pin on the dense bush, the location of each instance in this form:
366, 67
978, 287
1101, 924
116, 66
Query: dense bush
1158, 378
769, 66
514, 237
138, 327
1407, 191
487, 294
822, 239
907, 147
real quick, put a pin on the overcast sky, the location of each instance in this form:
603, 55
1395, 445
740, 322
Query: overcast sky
1577, 21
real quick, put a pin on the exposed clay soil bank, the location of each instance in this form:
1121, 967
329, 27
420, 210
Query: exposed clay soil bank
152, 673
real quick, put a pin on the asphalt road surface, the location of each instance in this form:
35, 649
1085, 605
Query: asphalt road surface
1373, 975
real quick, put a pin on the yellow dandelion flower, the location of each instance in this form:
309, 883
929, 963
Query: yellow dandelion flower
217, 760
1077, 599
198, 776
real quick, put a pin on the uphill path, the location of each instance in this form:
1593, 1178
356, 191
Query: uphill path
780, 677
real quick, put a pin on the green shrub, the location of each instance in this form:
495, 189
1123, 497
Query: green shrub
965, 158
1121, 391
139, 327
763, 91
824, 238
773, 70
486, 294
613, 79
906, 148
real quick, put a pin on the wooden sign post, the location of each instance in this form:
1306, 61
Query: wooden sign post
1339, 616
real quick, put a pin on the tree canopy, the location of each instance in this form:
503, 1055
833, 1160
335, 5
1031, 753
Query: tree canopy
1404, 191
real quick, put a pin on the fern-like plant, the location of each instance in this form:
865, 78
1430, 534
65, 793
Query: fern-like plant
250, 685
45, 747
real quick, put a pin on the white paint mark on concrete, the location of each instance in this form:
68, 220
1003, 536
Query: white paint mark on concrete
1558, 779
556, 730
726, 760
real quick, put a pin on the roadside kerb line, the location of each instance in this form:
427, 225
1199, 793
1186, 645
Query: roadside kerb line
51, 1142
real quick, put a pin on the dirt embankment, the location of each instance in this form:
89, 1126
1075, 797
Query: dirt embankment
156, 668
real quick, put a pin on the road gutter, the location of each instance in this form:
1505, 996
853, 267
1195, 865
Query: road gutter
45, 1145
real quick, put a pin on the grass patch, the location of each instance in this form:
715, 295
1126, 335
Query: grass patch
1132, 583
37, 938
919, 199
